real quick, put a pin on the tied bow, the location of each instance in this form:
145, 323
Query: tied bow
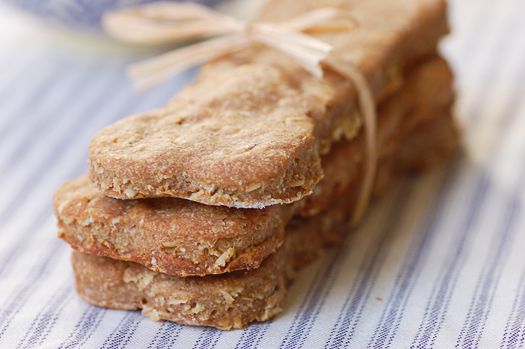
167, 22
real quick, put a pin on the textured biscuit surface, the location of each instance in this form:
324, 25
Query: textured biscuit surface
182, 238
225, 301
251, 131
234, 300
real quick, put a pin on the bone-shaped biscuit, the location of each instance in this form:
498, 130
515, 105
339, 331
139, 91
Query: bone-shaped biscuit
251, 131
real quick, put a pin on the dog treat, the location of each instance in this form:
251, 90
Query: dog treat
182, 238
202, 211
234, 300
251, 131
226, 301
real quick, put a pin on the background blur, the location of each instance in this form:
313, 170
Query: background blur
453, 269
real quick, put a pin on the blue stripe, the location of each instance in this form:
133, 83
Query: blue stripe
207, 339
309, 300
515, 327
84, 328
309, 308
480, 305
53, 158
443, 288
121, 335
166, 336
305, 319
46, 318
17, 299
250, 337
18, 302
19, 296
313, 301
11, 72
32, 182
34, 95
408, 274
45, 124
351, 312
387, 325
67, 138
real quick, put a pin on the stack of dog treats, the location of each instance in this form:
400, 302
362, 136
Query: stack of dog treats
201, 212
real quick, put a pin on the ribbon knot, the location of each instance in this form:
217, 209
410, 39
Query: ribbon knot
166, 22
169, 22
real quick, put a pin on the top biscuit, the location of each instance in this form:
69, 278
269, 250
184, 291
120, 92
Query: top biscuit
251, 130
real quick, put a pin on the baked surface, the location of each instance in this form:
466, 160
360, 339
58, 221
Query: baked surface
182, 238
225, 301
234, 300
207, 146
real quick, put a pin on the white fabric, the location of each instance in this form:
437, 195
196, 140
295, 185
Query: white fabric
439, 263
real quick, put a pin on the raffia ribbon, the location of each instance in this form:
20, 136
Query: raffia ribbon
169, 22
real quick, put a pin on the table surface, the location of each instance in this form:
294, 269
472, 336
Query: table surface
438, 263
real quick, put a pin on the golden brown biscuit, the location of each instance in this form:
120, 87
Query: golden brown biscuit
234, 300
251, 131
182, 238
225, 301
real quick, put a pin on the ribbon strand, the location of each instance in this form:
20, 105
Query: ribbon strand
168, 22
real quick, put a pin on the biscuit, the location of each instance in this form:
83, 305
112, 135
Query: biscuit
183, 238
251, 130
225, 301
234, 300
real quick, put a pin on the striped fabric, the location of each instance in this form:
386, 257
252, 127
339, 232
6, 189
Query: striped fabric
438, 264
